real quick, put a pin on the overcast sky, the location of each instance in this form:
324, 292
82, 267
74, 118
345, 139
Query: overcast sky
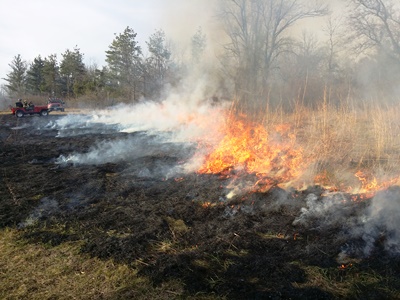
45, 27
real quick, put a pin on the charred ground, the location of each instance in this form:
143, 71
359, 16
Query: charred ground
181, 227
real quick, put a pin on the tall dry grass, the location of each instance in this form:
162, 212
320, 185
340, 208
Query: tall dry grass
339, 140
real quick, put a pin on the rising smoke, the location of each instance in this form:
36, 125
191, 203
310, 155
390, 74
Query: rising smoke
380, 222
174, 127
364, 226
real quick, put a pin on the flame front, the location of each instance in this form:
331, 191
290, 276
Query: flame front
369, 186
275, 158
248, 147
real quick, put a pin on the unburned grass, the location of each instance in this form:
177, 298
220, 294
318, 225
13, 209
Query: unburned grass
30, 271
350, 283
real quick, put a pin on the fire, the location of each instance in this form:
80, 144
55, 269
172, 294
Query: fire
370, 185
206, 204
367, 187
324, 180
345, 266
248, 147
275, 159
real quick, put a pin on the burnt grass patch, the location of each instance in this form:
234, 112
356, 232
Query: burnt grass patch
181, 227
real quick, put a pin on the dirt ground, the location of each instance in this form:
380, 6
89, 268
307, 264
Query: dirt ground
247, 247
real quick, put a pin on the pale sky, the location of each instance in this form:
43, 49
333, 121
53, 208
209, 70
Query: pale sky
45, 27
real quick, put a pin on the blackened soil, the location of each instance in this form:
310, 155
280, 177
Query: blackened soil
171, 227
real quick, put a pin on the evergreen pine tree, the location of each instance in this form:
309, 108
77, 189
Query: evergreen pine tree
124, 65
16, 79
72, 72
34, 80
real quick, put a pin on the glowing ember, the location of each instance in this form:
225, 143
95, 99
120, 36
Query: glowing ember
345, 266
248, 147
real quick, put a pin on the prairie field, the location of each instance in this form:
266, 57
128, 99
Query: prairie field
291, 205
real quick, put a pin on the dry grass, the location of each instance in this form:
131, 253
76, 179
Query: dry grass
36, 272
340, 140
348, 283
31, 271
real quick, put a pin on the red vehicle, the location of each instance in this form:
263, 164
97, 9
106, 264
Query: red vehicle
55, 104
20, 111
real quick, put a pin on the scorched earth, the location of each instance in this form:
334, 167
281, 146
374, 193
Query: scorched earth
130, 196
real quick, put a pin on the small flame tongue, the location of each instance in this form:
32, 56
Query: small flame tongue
370, 185
247, 147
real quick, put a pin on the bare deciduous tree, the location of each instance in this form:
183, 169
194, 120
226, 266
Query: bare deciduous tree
375, 35
258, 35
376, 25
332, 29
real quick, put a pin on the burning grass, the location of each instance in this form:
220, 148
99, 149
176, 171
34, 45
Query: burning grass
300, 205
247, 148
341, 149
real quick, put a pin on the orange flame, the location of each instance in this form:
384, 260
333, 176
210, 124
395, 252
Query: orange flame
248, 147
274, 158
370, 185
345, 266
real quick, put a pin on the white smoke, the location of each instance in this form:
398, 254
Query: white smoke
109, 152
364, 225
324, 211
172, 127
46, 207
131, 150
381, 221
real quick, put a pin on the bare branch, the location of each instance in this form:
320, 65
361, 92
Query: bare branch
258, 35
376, 25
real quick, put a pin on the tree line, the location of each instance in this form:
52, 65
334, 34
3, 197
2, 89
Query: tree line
127, 74
264, 58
